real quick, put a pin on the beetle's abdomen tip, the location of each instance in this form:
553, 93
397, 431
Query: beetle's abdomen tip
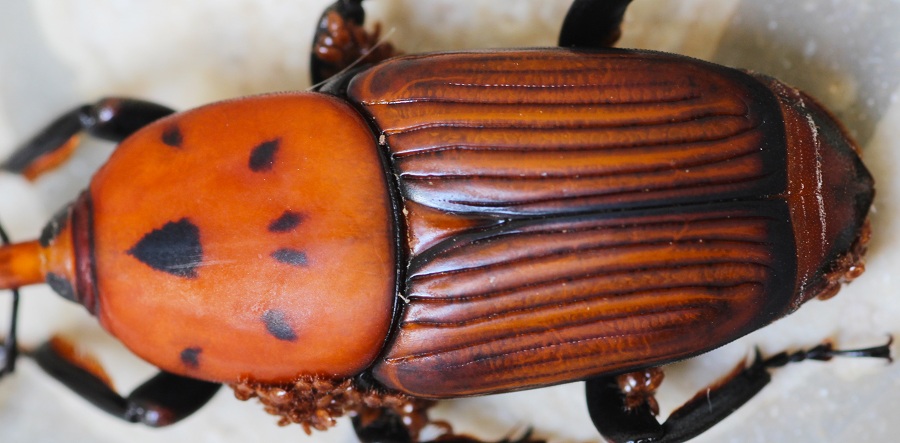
830, 191
847, 190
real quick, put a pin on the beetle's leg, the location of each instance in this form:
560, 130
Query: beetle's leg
382, 425
619, 420
10, 349
110, 119
160, 401
593, 23
341, 42
390, 425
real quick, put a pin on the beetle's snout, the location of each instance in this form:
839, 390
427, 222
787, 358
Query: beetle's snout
20, 265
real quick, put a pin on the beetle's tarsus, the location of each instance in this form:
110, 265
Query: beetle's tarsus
882, 351
826, 351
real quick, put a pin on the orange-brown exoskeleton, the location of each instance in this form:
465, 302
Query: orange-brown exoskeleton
441, 225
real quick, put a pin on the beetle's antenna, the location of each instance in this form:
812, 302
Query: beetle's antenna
10, 350
381, 41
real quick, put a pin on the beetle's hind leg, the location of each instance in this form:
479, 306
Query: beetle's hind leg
111, 119
620, 415
341, 42
593, 23
160, 401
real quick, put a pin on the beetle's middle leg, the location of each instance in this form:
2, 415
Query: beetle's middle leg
623, 409
111, 119
341, 42
389, 425
593, 23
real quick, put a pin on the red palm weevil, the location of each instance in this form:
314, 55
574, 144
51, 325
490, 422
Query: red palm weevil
175, 246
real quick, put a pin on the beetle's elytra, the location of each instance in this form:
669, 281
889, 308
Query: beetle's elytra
443, 225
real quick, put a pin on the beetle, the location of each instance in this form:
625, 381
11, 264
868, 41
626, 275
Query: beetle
261, 157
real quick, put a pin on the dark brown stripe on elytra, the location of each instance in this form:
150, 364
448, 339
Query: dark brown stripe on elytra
290, 256
286, 222
277, 325
262, 158
171, 136
191, 357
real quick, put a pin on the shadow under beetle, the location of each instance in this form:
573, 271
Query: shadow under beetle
447, 225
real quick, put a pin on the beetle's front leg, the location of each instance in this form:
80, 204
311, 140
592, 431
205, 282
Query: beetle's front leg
593, 23
340, 41
623, 408
111, 119
160, 401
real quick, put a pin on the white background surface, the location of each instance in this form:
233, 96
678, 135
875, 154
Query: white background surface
55, 54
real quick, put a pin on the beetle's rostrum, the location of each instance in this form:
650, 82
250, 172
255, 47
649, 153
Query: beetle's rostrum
457, 224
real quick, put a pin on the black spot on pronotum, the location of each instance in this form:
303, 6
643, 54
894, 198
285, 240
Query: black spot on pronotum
174, 248
171, 136
290, 256
262, 158
277, 325
286, 222
61, 286
191, 357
